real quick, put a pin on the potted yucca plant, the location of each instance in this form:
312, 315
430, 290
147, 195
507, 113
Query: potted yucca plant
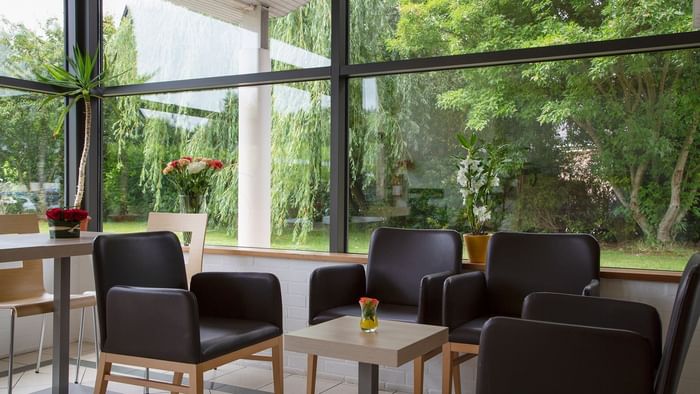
79, 86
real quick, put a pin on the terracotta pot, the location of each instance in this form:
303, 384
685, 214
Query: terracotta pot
84, 223
477, 246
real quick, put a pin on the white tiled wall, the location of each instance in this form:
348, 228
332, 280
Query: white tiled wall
294, 278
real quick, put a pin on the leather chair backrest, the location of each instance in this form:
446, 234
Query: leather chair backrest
522, 263
684, 320
399, 258
152, 259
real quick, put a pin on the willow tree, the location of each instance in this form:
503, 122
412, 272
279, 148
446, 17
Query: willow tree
301, 139
638, 114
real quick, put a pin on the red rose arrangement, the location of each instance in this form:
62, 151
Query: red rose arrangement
67, 215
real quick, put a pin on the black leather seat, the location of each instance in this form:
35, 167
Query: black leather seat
581, 345
405, 272
149, 318
517, 264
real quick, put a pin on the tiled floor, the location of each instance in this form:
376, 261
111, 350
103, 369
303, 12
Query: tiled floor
232, 378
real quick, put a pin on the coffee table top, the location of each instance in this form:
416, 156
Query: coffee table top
393, 344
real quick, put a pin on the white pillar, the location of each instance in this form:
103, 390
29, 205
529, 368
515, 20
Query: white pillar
254, 136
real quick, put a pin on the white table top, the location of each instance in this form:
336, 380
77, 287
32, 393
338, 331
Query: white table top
393, 344
15, 247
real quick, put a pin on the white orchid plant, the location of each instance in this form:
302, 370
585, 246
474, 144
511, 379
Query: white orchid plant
479, 174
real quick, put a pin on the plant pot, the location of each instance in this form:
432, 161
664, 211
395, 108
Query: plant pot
477, 247
63, 229
84, 223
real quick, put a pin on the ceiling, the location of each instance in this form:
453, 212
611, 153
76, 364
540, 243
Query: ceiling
232, 11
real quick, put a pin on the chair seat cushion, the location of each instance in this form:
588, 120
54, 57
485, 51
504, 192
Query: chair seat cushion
404, 313
221, 336
469, 332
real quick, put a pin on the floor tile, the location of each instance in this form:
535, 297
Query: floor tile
346, 388
251, 378
297, 384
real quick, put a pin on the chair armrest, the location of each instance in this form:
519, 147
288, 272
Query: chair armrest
463, 298
592, 289
239, 295
430, 298
334, 286
135, 314
520, 356
597, 312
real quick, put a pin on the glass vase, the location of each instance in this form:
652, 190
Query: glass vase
191, 203
368, 317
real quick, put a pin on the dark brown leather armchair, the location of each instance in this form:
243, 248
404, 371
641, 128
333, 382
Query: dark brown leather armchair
517, 264
148, 317
405, 272
582, 345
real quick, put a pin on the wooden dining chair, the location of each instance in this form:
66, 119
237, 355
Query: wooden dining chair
195, 223
22, 290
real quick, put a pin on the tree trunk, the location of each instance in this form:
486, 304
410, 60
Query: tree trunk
665, 231
80, 191
636, 178
41, 175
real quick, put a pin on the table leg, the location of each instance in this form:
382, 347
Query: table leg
368, 379
61, 324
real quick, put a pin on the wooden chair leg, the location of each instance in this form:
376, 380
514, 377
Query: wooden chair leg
177, 379
418, 370
457, 378
196, 380
104, 368
312, 361
277, 368
446, 369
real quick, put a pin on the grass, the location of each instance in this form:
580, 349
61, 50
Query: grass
631, 255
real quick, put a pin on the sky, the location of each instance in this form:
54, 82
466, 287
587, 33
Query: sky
33, 13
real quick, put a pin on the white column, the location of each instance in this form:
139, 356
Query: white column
254, 140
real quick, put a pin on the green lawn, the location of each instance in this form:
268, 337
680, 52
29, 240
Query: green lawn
628, 256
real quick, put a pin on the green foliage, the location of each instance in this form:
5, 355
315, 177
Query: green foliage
637, 113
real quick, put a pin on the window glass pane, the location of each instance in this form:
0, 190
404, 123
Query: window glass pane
605, 146
159, 40
284, 144
404, 29
31, 157
31, 35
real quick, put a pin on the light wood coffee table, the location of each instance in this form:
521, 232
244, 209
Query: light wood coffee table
394, 344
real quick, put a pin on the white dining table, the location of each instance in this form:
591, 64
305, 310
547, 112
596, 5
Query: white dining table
18, 247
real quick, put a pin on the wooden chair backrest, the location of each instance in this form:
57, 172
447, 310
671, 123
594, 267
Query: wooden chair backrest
27, 281
196, 223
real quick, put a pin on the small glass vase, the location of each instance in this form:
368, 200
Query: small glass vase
63, 229
368, 317
191, 203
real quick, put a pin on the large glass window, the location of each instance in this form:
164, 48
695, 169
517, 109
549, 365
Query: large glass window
144, 133
31, 34
31, 157
402, 29
607, 146
176, 39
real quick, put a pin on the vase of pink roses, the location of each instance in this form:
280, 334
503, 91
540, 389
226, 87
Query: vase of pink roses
191, 177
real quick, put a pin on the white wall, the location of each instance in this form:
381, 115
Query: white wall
294, 278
